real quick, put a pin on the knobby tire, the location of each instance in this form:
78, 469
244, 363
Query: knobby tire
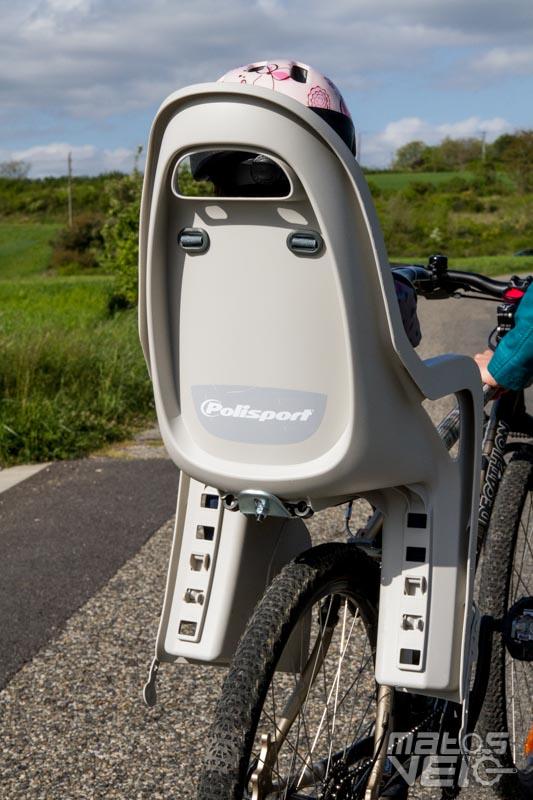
505, 577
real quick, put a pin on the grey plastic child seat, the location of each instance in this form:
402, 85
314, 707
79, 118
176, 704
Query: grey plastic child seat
279, 361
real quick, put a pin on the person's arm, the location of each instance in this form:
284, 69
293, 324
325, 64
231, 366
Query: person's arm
511, 364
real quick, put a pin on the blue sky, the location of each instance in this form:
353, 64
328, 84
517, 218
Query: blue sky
86, 76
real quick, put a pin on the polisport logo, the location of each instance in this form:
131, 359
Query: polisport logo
258, 414
214, 408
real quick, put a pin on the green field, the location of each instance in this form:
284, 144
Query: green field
72, 376
25, 248
395, 181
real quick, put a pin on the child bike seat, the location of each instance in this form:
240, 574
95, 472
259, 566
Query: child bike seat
280, 364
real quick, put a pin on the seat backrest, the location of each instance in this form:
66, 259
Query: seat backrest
274, 367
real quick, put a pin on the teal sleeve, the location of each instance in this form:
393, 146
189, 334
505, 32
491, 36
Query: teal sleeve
512, 363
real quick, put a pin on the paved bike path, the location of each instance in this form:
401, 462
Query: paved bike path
63, 533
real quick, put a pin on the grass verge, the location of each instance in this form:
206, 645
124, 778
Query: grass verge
72, 378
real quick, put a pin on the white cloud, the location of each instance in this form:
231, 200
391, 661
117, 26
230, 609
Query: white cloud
378, 150
128, 51
501, 61
51, 159
271, 7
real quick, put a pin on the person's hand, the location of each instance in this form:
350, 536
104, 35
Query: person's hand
483, 360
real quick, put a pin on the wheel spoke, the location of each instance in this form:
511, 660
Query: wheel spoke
334, 688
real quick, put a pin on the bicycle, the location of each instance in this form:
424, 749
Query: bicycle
321, 728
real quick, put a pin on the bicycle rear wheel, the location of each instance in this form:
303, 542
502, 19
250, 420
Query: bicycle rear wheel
296, 718
506, 577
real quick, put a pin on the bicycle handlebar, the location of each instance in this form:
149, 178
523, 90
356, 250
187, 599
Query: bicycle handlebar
476, 282
445, 283
436, 282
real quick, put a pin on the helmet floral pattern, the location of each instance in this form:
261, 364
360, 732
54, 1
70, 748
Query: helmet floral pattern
318, 98
265, 75
274, 70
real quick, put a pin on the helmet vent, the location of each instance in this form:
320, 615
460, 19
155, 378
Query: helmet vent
298, 74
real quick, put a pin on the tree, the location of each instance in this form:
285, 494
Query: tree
500, 146
515, 153
457, 153
410, 156
14, 169
449, 155
77, 247
120, 234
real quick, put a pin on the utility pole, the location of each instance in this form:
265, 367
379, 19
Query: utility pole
69, 189
483, 145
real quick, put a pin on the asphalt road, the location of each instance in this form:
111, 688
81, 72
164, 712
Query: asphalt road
62, 540
83, 556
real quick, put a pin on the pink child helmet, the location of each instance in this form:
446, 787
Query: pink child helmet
239, 172
303, 83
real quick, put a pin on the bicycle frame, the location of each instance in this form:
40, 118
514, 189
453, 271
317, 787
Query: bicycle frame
508, 417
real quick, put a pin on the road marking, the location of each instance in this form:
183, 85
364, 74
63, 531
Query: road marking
10, 477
